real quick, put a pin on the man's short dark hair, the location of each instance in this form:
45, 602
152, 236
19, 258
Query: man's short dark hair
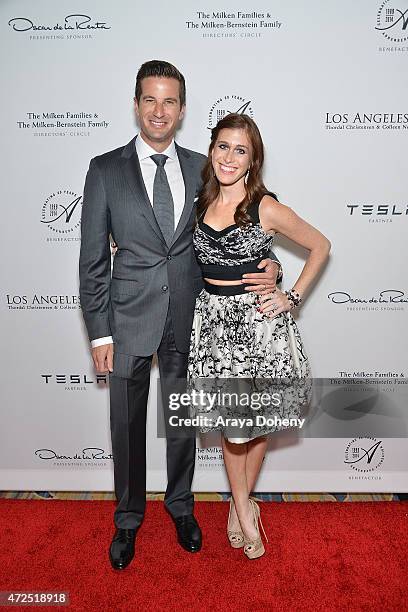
159, 68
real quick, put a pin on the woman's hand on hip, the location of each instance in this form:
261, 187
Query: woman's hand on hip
274, 304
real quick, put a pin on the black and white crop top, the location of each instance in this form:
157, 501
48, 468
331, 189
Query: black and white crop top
227, 254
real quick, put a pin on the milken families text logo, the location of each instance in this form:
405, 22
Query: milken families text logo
67, 123
232, 24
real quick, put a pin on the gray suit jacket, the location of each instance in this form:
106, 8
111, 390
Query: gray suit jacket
148, 277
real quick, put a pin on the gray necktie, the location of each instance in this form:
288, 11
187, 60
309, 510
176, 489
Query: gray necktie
163, 205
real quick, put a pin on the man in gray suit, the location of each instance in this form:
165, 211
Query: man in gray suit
143, 195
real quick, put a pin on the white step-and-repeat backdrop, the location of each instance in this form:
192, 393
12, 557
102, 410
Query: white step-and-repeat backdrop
326, 82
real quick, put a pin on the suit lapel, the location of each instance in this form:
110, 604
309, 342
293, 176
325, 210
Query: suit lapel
187, 170
133, 174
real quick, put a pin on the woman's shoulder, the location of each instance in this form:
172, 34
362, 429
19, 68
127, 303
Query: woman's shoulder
270, 204
274, 213
266, 200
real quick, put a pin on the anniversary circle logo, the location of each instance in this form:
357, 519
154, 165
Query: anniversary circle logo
392, 22
364, 454
226, 105
61, 211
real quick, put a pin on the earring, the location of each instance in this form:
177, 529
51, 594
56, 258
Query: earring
246, 176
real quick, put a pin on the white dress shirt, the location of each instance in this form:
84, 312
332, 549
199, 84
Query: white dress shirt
176, 183
172, 169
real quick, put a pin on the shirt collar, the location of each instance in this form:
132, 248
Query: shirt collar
144, 150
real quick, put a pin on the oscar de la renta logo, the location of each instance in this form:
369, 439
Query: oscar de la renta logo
387, 299
75, 22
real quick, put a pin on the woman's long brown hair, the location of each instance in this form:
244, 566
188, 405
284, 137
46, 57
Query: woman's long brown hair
255, 189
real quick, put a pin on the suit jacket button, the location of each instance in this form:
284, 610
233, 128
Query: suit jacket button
164, 288
169, 257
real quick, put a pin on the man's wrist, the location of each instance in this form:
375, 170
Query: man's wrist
101, 341
280, 271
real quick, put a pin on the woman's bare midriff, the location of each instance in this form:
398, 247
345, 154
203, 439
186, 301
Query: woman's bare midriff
212, 281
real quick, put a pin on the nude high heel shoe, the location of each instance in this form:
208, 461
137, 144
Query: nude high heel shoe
236, 538
255, 548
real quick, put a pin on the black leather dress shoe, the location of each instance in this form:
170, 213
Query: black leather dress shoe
188, 533
122, 548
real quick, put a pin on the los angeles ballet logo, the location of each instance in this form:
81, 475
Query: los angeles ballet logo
42, 302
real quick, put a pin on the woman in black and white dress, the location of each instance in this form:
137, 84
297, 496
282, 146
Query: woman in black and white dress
236, 334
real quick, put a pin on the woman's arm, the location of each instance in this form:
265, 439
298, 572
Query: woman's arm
276, 217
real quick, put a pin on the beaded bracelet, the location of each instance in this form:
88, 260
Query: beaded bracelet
294, 297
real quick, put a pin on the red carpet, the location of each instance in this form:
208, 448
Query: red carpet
324, 556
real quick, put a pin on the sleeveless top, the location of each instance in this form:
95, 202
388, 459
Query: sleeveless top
227, 254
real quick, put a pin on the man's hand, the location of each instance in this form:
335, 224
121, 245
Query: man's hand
262, 283
103, 358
